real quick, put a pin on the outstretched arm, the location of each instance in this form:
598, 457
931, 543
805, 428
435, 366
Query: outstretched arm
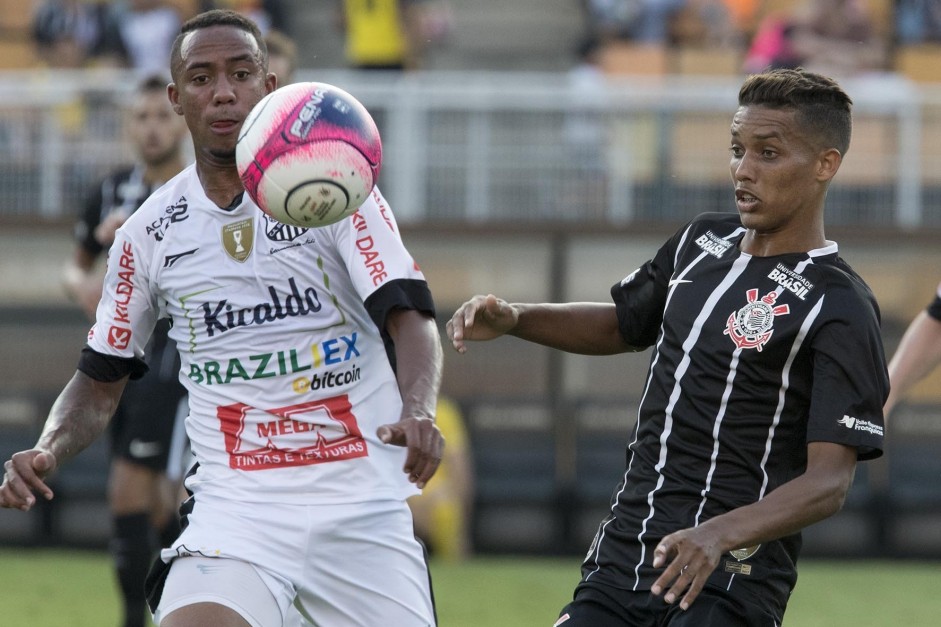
418, 370
917, 355
690, 555
583, 328
78, 416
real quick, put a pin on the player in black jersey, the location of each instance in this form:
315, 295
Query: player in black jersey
918, 354
141, 496
766, 382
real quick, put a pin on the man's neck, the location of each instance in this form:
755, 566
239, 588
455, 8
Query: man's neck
222, 185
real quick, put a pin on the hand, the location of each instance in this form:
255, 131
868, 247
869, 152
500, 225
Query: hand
87, 296
424, 442
481, 318
104, 232
693, 555
23, 475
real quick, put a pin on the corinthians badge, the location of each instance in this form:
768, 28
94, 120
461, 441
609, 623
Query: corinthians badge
238, 239
752, 325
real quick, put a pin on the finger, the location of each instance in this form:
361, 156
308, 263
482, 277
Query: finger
682, 581
695, 588
493, 306
455, 329
390, 434
16, 492
429, 457
663, 552
428, 471
8, 498
42, 464
424, 452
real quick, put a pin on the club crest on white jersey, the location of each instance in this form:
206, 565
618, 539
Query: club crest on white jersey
238, 239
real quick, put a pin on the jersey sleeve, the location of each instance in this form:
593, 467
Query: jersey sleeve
640, 297
934, 308
126, 314
850, 377
373, 249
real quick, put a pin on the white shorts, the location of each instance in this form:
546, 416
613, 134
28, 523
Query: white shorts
351, 565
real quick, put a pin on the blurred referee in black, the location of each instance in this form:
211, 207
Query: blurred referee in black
141, 494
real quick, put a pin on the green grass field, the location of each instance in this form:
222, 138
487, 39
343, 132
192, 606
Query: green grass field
47, 588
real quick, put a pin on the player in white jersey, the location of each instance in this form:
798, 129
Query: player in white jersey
312, 362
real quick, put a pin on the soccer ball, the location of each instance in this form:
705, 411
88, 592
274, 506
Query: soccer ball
309, 154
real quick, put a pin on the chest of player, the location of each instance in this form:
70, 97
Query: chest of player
251, 278
752, 307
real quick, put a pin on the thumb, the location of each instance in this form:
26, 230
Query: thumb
660, 555
386, 433
44, 463
494, 306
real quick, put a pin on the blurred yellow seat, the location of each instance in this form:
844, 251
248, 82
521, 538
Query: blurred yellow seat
920, 62
623, 58
707, 61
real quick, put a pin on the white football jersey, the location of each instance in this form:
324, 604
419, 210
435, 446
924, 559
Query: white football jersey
287, 373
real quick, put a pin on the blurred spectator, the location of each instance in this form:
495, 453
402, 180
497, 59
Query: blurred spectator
282, 56
838, 38
744, 15
917, 21
646, 21
268, 14
68, 33
706, 23
832, 37
392, 34
139, 34
771, 46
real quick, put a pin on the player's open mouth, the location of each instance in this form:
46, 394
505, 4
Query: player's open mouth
744, 199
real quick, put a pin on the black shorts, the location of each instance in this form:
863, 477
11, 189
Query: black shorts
598, 605
143, 425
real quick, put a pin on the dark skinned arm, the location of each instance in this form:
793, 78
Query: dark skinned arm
418, 370
77, 418
582, 328
690, 555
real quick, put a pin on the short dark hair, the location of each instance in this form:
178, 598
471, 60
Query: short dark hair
217, 17
821, 104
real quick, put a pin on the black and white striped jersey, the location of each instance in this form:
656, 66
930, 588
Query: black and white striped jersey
934, 307
124, 190
753, 357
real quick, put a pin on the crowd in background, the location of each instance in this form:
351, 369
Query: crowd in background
836, 36
134, 34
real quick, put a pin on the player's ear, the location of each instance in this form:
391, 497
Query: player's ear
174, 95
271, 82
828, 162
